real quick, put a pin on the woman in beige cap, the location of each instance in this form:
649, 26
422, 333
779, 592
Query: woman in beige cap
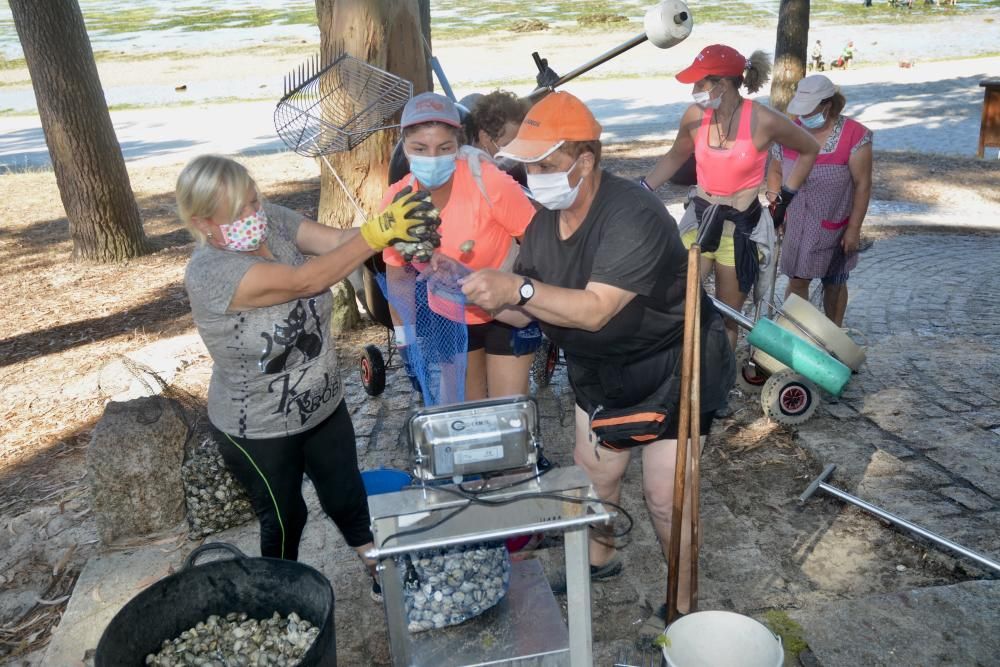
823, 223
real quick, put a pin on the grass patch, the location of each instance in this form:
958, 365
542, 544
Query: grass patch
12, 63
194, 19
792, 637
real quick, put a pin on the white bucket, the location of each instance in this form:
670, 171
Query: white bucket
721, 639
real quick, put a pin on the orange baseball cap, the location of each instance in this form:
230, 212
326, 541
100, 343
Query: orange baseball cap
557, 118
714, 60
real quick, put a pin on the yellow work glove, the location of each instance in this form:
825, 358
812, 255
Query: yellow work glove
406, 219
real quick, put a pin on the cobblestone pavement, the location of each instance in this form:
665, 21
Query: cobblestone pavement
927, 304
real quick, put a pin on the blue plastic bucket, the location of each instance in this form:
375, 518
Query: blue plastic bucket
384, 480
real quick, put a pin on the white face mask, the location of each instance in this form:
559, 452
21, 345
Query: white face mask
553, 191
704, 99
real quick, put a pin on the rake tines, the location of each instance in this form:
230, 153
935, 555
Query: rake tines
333, 107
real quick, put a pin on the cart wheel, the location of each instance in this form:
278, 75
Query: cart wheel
789, 398
751, 377
544, 366
372, 370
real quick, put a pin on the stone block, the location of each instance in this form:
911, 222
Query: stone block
968, 498
972, 455
954, 625
134, 467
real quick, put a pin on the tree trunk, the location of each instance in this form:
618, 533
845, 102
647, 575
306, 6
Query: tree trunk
387, 34
104, 220
789, 51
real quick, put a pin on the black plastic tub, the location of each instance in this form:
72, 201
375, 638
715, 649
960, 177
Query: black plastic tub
257, 586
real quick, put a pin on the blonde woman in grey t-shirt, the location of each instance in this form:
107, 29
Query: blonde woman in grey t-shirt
275, 396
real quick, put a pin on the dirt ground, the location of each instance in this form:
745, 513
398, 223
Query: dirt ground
66, 321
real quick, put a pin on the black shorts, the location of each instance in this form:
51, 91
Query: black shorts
496, 338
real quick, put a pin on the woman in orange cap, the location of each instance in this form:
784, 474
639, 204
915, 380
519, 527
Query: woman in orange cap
730, 136
603, 270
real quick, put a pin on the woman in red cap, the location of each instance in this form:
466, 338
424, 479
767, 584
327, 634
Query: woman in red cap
730, 136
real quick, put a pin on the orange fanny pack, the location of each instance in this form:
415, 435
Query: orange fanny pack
646, 420
632, 427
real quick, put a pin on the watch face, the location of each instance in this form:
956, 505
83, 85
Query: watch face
527, 291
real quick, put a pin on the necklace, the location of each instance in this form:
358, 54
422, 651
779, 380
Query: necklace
729, 125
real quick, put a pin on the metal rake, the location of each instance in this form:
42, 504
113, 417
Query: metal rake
332, 107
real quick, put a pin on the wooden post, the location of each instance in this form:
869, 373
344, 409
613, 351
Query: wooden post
989, 127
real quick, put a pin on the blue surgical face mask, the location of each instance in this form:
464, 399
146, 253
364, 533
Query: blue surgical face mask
432, 172
813, 122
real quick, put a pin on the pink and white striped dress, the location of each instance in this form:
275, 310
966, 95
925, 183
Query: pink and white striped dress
817, 218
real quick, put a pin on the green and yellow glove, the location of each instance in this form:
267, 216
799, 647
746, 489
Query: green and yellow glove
407, 219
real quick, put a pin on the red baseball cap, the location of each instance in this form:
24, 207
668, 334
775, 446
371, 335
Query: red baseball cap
559, 117
714, 60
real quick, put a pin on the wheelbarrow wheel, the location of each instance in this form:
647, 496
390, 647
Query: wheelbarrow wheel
789, 398
544, 365
751, 377
372, 370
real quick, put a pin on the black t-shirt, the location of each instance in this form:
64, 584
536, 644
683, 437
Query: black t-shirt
628, 240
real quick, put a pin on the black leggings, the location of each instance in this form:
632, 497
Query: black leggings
271, 471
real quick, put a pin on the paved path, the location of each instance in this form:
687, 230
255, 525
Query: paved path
935, 109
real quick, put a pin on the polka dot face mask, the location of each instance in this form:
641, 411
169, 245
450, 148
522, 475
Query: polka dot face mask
246, 234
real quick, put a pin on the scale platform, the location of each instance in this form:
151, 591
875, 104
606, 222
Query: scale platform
526, 628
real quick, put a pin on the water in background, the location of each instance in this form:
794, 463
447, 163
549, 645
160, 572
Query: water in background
144, 26
149, 26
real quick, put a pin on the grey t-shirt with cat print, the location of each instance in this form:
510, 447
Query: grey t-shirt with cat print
274, 368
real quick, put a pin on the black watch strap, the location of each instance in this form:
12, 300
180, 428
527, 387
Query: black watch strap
524, 299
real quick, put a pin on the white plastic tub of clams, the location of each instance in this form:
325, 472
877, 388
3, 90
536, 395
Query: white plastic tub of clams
448, 587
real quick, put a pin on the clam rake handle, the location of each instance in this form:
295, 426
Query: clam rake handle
820, 483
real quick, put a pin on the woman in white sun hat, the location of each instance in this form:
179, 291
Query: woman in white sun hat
823, 223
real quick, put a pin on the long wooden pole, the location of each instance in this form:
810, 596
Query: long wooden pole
695, 481
683, 430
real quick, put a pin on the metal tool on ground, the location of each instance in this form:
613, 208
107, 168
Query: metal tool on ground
665, 25
820, 483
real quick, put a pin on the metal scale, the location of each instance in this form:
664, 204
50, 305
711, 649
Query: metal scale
498, 442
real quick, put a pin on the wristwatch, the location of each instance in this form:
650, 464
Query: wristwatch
527, 290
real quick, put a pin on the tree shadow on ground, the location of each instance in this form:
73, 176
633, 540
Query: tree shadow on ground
32, 245
168, 311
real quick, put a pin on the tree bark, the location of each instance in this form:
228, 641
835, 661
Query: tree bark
104, 220
388, 35
789, 51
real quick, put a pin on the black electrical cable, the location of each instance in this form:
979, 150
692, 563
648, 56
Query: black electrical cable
494, 489
473, 499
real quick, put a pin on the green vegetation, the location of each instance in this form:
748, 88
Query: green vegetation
14, 63
196, 19
791, 634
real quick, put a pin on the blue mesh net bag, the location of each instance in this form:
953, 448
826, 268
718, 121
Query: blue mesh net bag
431, 308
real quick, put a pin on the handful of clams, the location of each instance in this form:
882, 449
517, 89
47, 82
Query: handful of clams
427, 237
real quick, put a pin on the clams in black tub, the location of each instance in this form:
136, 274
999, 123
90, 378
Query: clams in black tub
256, 586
